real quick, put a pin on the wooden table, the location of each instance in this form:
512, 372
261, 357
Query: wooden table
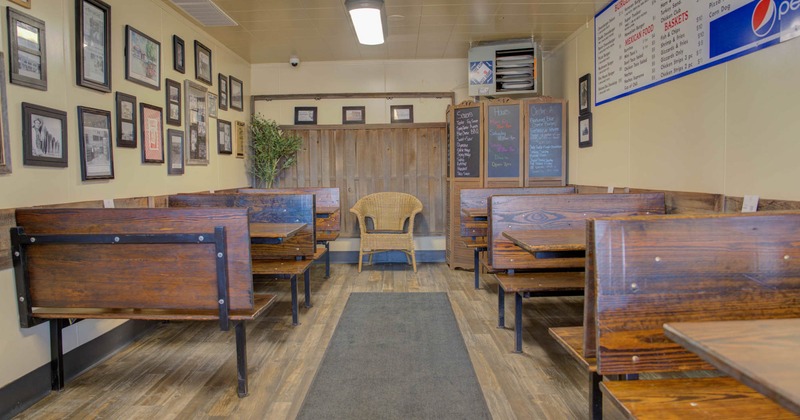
273, 233
558, 240
762, 354
478, 213
323, 212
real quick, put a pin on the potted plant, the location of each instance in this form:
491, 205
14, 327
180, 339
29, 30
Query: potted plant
271, 150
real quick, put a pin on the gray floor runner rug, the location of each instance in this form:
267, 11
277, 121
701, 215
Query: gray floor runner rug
396, 356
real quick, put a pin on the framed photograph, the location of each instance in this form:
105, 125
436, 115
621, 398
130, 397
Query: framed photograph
27, 50
224, 137
305, 115
241, 134
97, 155
126, 120
142, 58
178, 54
175, 156
5, 142
237, 93
402, 113
212, 105
585, 130
353, 115
44, 136
93, 44
584, 94
152, 125
202, 63
173, 102
196, 123
24, 3
223, 92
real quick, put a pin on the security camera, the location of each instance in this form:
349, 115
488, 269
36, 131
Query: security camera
294, 61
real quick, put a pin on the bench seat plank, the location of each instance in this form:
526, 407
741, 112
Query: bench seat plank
479, 242
544, 282
283, 266
571, 339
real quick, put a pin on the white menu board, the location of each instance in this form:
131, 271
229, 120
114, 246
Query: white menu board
643, 43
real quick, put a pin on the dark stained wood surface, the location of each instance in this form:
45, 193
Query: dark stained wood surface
327, 203
544, 282
548, 240
571, 339
281, 266
275, 230
762, 354
474, 203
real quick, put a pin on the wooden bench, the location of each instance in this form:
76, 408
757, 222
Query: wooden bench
289, 258
148, 264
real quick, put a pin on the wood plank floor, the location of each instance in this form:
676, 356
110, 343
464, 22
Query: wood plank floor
188, 369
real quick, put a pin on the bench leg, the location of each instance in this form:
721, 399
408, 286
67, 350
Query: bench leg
307, 283
241, 359
518, 322
501, 307
294, 300
327, 260
56, 355
477, 269
595, 396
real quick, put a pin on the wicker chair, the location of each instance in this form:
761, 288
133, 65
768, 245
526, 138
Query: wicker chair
388, 212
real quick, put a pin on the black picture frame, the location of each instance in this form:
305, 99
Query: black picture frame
151, 124
97, 153
44, 143
585, 130
27, 59
5, 143
354, 115
93, 44
178, 54
224, 137
305, 115
236, 93
584, 94
175, 143
173, 96
202, 63
223, 92
402, 114
142, 58
126, 120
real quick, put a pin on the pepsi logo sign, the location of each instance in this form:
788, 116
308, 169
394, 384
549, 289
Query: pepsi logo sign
764, 16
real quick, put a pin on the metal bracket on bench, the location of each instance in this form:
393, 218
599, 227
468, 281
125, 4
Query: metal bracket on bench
220, 245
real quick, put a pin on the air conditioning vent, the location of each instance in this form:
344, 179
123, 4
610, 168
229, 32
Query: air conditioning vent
505, 68
206, 12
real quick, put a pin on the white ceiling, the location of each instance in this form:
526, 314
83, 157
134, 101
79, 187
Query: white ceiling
270, 31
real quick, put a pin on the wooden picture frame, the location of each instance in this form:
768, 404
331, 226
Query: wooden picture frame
584, 94
223, 92
151, 123
585, 130
202, 63
224, 137
97, 153
44, 136
212, 101
305, 115
142, 58
241, 134
5, 143
173, 94
236, 93
126, 120
178, 54
403, 114
175, 141
196, 148
353, 115
27, 47
93, 44
24, 3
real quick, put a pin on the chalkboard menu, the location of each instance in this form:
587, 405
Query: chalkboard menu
468, 142
503, 145
545, 139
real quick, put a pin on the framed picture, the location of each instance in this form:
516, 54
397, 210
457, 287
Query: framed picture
237, 93
202, 63
223, 92
24, 3
585, 130
402, 113
44, 136
224, 137
240, 136
212, 104
27, 49
353, 115
152, 125
97, 155
584, 94
5, 143
126, 120
305, 115
178, 54
196, 123
93, 44
173, 102
175, 155
142, 58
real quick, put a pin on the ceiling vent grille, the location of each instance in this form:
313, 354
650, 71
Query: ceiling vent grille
206, 12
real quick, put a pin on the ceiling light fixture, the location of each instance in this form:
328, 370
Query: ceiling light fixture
369, 20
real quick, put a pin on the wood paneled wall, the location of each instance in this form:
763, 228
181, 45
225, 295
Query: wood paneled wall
363, 159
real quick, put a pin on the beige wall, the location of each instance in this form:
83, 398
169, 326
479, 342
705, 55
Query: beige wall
730, 129
26, 349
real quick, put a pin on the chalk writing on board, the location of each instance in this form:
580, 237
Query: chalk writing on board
503, 141
467, 144
545, 140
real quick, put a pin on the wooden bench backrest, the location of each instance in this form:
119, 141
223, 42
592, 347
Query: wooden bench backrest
325, 197
266, 208
479, 197
136, 276
654, 270
545, 212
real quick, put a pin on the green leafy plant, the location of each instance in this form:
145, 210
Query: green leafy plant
271, 150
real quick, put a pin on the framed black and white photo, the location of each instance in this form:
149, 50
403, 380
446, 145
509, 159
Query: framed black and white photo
178, 54
5, 143
402, 113
93, 44
44, 136
212, 104
584, 94
223, 92
585, 130
305, 115
142, 58
237, 93
196, 123
97, 156
27, 50
353, 115
202, 63
224, 137
173, 102
126, 120
152, 126
175, 155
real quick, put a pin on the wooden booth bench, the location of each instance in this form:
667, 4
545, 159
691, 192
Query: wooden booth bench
147, 264
272, 255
